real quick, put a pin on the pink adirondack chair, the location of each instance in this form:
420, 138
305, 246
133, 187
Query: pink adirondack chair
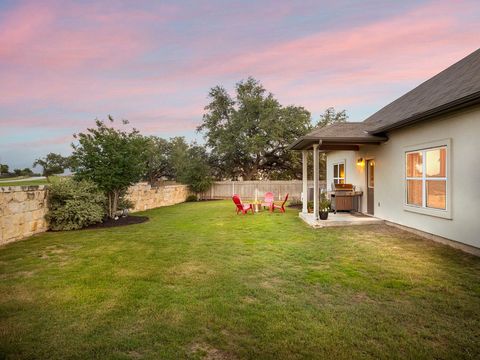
268, 200
243, 208
279, 207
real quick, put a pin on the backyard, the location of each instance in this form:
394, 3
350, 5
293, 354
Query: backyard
198, 281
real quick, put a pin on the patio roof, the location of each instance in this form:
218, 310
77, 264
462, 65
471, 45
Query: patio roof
344, 136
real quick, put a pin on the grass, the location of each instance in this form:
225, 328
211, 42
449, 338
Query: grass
198, 281
23, 183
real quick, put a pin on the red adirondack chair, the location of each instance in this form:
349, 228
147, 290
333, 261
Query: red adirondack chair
243, 208
268, 200
279, 207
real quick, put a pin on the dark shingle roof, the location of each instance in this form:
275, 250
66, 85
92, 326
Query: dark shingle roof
347, 133
459, 81
348, 129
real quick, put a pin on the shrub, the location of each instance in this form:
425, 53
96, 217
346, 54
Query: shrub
295, 202
74, 204
191, 198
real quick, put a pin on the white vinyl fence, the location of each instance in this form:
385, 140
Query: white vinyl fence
251, 189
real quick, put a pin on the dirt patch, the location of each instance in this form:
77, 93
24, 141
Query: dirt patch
208, 352
17, 275
271, 283
190, 269
122, 221
134, 355
249, 300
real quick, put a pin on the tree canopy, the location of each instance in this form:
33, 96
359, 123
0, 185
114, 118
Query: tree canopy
3, 169
330, 117
53, 164
195, 171
165, 157
112, 158
248, 134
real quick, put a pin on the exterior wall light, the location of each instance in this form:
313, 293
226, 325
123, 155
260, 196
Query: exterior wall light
360, 161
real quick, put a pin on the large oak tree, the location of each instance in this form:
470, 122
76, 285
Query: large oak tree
248, 134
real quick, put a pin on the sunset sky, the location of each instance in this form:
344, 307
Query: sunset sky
62, 64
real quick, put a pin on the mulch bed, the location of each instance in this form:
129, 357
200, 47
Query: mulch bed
122, 221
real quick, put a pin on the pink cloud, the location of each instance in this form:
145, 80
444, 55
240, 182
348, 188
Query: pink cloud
97, 68
409, 47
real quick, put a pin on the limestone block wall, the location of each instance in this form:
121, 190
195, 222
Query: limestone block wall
144, 197
23, 208
22, 212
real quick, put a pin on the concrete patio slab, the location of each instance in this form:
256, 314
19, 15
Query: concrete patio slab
340, 219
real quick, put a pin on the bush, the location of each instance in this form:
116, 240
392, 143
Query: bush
191, 198
295, 203
74, 204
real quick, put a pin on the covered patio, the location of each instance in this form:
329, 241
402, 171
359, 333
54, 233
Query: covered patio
339, 219
347, 137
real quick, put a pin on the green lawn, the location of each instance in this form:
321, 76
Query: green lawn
197, 281
23, 183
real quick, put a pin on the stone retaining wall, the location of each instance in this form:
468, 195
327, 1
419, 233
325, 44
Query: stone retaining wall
22, 212
145, 197
23, 208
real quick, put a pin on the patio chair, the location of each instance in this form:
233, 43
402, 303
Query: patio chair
268, 200
243, 208
279, 207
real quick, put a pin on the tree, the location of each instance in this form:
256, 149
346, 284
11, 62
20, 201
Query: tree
248, 135
112, 158
3, 169
158, 162
178, 155
196, 171
330, 116
23, 172
27, 172
52, 164
165, 157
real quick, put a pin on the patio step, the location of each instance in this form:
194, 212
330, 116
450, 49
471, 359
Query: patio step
340, 219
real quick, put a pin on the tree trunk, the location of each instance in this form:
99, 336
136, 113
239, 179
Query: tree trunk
112, 203
109, 209
115, 203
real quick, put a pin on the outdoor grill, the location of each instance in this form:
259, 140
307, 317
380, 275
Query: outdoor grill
345, 198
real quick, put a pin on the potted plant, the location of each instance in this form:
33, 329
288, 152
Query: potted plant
310, 206
324, 207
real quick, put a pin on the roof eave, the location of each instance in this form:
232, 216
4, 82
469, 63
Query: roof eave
470, 100
310, 140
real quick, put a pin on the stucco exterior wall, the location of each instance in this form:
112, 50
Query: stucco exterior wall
462, 129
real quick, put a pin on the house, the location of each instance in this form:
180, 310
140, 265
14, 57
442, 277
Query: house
417, 160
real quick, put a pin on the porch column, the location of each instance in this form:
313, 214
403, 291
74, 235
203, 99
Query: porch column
305, 181
316, 175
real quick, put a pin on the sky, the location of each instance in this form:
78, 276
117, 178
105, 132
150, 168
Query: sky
65, 63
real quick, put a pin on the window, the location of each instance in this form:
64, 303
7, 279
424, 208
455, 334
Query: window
426, 178
339, 173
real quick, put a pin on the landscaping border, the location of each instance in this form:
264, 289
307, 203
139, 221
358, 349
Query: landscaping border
23, 208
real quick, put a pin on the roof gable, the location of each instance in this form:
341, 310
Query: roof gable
460, 80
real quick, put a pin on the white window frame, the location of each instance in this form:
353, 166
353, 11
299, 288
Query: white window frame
423, 148
344, 178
